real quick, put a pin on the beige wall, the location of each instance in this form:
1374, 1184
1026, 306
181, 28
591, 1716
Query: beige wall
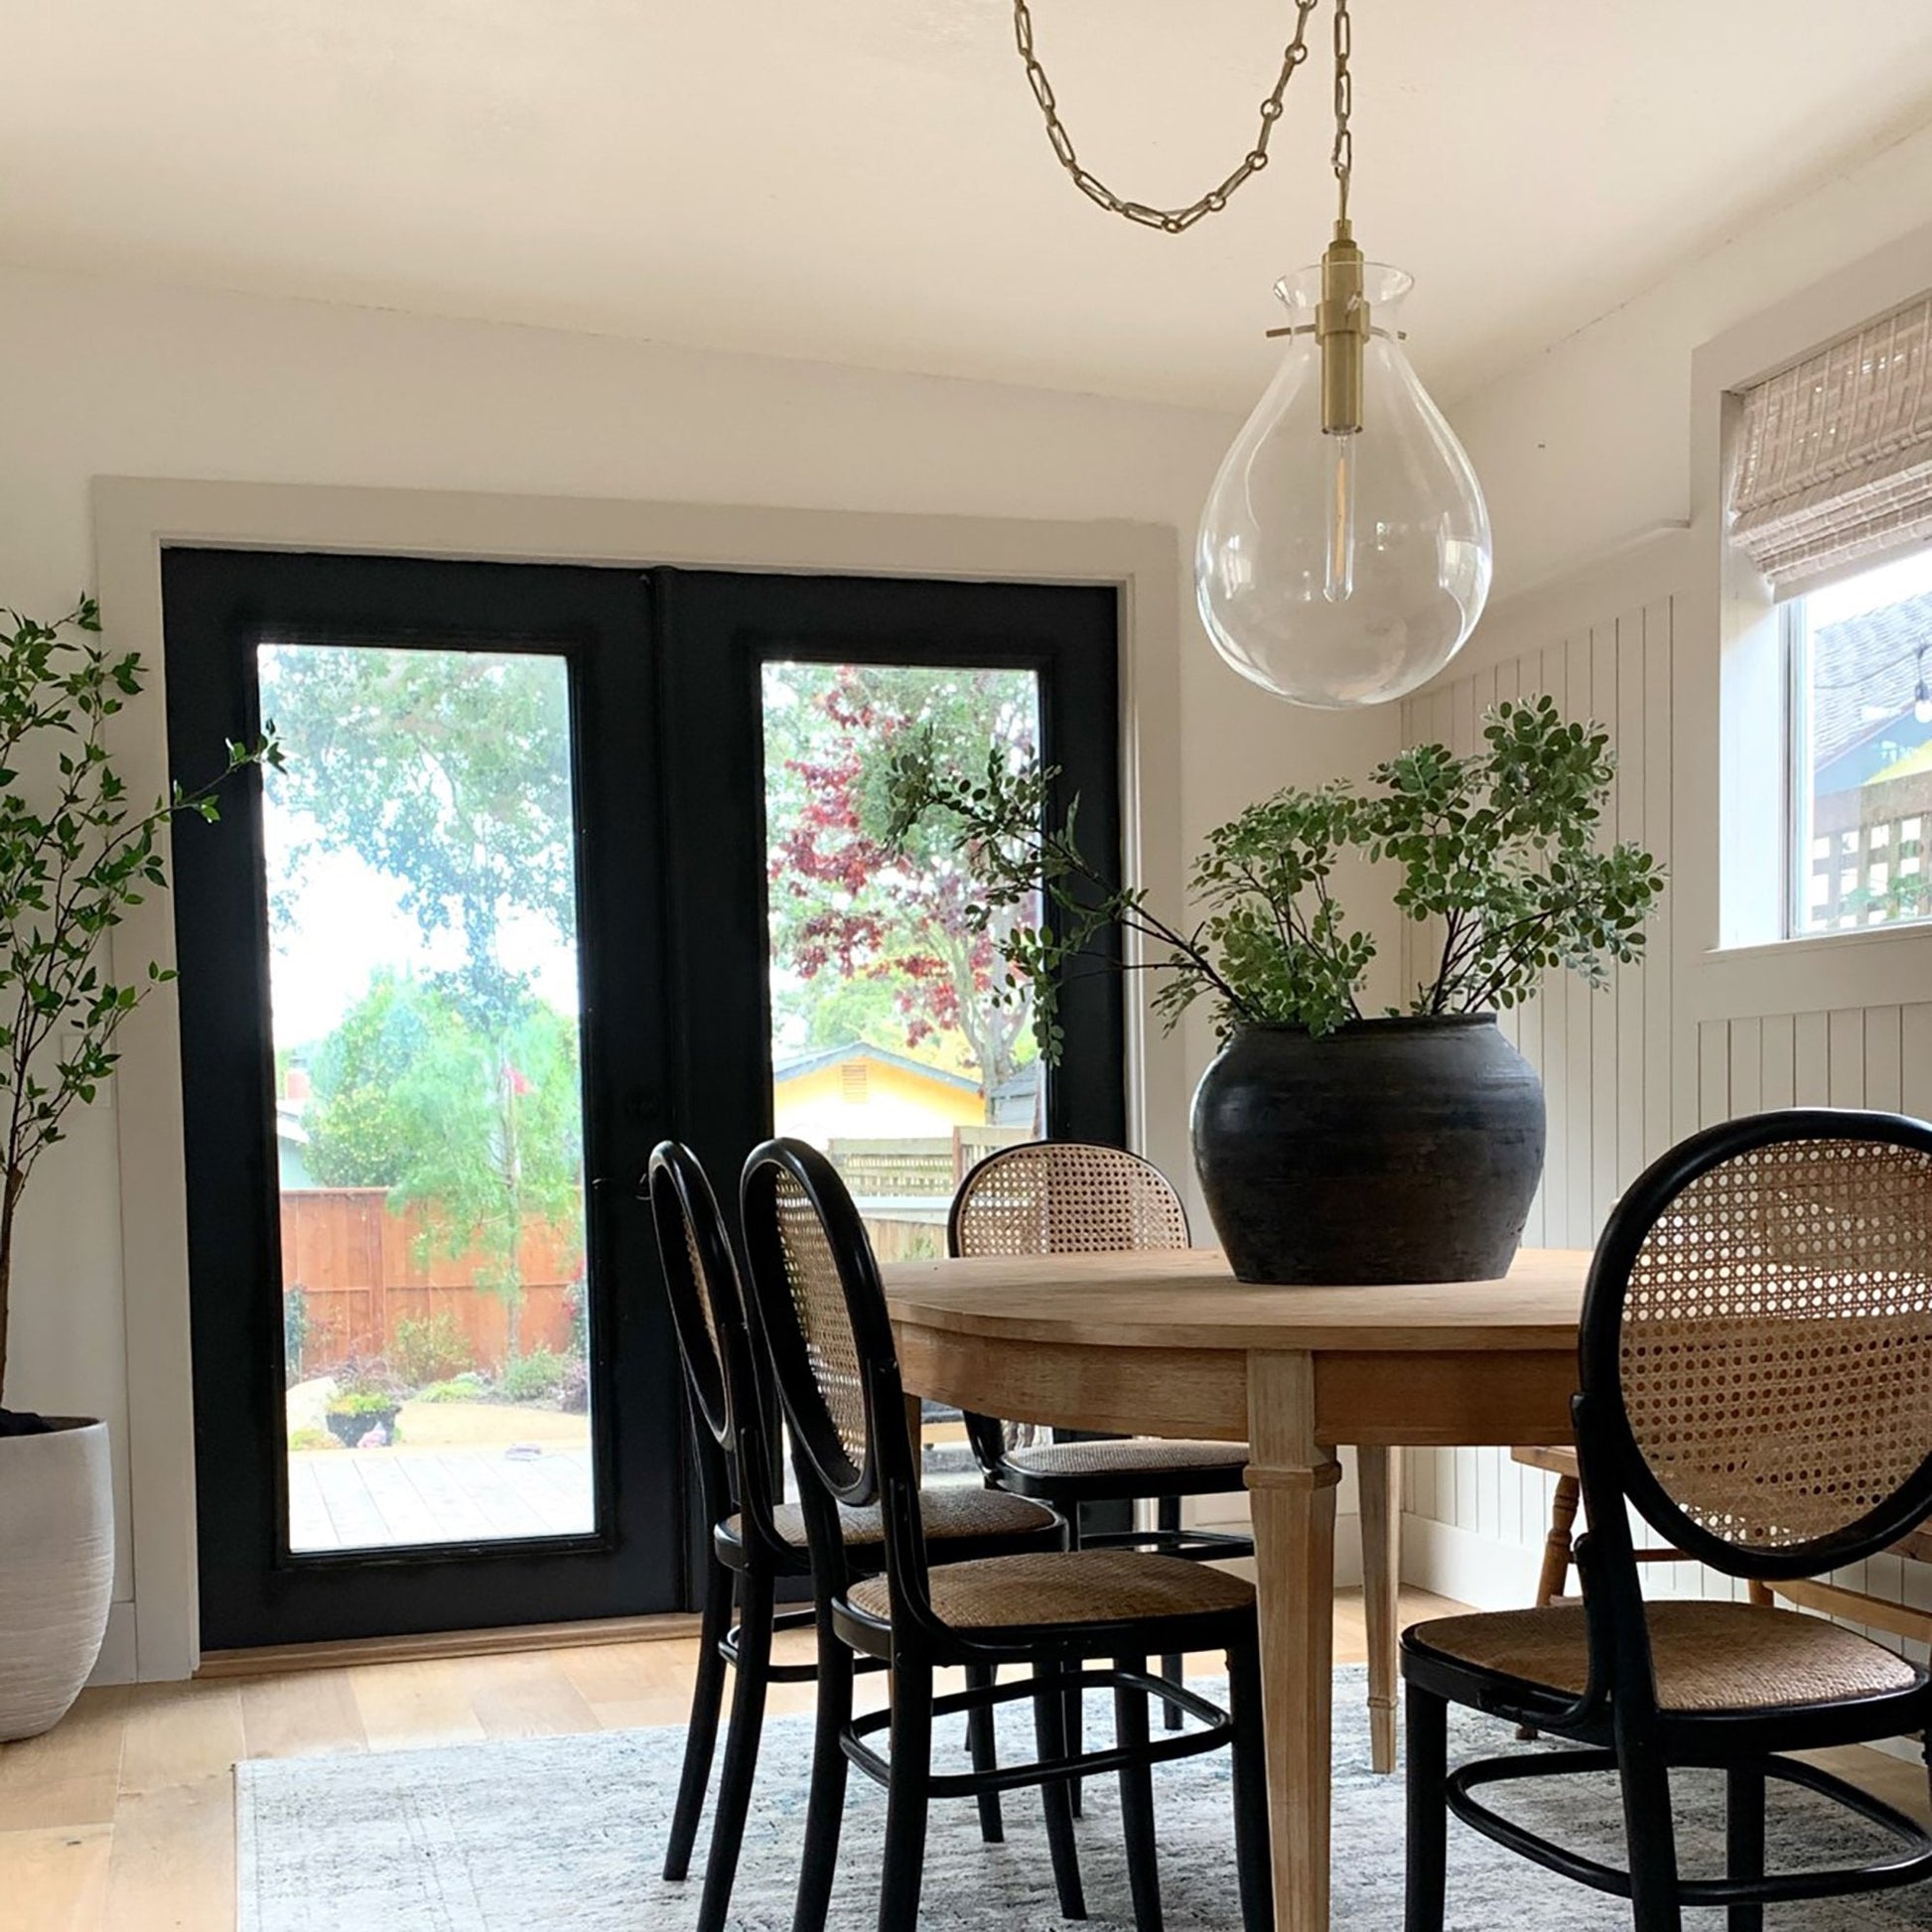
103, 379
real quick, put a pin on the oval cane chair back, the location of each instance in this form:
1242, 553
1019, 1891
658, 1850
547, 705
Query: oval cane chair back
1758, 1344
822, 1310
714, 1340
1059, 1197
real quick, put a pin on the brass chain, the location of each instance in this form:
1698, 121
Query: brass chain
1342, 158
1175, 220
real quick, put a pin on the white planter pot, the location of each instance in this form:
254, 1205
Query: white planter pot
56, 1569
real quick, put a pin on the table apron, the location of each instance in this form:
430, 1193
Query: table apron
1446, 1398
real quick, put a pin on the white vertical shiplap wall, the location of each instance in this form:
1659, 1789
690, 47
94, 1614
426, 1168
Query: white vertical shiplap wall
1604, 1056
1617, 1091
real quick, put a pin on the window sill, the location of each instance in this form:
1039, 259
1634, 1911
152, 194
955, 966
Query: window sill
1825, 971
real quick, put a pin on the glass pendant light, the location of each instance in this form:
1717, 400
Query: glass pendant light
1344, 550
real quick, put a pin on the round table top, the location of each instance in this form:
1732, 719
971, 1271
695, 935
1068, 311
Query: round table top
1188, 1298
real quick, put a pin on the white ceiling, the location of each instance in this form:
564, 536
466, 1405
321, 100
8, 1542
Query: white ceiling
867, 182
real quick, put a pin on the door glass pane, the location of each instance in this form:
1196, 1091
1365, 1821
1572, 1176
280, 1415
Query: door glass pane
421, 879
892, 1050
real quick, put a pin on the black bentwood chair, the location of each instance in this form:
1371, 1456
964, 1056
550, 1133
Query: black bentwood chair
755, 1539
1756, 1380
1063, 1198
1055, 1615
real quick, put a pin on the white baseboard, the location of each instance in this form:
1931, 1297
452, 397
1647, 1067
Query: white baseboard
117, 1663
1472, 1569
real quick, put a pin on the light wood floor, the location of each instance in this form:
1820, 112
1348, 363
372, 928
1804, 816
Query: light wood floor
121, 1819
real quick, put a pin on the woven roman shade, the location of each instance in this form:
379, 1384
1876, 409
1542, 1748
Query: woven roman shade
1835, 458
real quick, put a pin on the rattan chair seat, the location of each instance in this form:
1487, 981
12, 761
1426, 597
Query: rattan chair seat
1130, 1455
961, 1510
1707, 1656
1077, 1587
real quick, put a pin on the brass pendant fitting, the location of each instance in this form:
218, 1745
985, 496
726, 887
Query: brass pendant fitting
1341, 323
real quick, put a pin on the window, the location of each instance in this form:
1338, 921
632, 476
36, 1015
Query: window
1860, 652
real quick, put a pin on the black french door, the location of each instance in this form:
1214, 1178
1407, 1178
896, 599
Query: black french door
518, 908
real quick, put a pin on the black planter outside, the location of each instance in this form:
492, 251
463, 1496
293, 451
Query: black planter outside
348, 1430
1392, 1151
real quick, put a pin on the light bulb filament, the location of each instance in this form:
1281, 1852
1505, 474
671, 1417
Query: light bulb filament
1339, 550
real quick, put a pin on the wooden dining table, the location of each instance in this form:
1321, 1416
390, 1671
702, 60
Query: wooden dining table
1171, 1344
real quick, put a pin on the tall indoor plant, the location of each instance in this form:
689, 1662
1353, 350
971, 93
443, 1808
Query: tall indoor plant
1332, 1146
75, 854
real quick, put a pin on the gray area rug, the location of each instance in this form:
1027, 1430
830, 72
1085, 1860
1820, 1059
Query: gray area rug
568, 1833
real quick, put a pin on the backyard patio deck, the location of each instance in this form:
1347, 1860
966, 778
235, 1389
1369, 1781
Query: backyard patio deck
380, 1498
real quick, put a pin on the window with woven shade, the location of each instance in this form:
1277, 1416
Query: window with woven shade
1831, 496
1832, 462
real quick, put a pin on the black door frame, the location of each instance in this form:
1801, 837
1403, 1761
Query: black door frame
218, 605
665, 682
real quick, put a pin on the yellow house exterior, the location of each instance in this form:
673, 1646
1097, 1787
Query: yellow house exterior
856, 1091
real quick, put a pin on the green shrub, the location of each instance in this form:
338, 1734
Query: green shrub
312, 1438
295, 1330
534, 1377
430, 1350
467, 1386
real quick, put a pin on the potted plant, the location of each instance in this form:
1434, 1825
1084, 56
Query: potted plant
73, 855
362, 1411
1335, 1147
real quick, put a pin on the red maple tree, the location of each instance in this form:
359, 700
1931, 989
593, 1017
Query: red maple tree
846, 908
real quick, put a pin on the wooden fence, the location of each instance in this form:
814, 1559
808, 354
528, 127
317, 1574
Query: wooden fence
1868, 860
892, 1183
364, 1270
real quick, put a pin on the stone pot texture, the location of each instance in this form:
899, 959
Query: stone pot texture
1402, 1150
56, 1569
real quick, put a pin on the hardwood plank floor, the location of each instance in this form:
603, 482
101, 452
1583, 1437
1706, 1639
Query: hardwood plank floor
122, 1820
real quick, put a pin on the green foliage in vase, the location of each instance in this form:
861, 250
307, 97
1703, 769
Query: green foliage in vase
1501, 849
75, 853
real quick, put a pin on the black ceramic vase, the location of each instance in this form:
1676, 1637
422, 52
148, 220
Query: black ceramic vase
1391, 1151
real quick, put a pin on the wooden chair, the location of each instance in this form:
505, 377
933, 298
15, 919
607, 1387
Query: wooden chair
1756, 1383
756, 1540
1067, 1620
1047, 1197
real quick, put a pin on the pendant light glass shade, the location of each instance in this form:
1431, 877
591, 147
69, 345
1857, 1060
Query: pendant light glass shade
1342, 570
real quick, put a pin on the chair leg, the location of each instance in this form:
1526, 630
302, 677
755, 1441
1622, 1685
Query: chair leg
1427, 1811
1074, 1718
1745, 1842
1252, 1858
1652, 1838
906, 1797
979, 1740
1560, 1545
1057, 1795
1136, 1802
701, 1735
1558, 1548
1168, 1519
755, 1612
825, 1809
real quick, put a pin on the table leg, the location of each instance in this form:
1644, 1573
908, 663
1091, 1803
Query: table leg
915, 1429
1292, 1479
1380, 1474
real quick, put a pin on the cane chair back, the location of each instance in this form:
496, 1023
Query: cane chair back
708, 1313
816, 1285
1757, 1342
1059, 1198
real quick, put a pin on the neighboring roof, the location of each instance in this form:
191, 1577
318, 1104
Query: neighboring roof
1867, 664
859, 1050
